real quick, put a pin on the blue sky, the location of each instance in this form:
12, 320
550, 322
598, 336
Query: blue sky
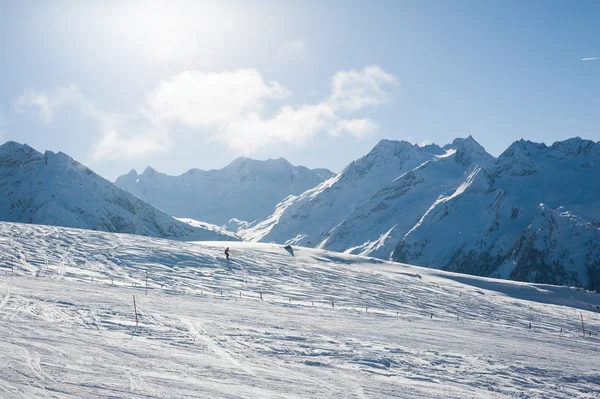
176, 85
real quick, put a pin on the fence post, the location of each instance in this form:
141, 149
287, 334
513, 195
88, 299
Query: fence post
332, 304
261, 298
136, 318
582, 325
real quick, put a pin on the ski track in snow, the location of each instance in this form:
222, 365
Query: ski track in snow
392, 331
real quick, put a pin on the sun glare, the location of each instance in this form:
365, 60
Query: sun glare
172, 30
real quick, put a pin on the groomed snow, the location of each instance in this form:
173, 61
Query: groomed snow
392, 330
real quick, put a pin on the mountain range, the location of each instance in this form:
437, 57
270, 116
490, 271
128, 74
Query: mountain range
531, 214
245, 190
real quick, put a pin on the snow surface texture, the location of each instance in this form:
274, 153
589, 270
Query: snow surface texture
456, 208
246, 189
68, 325
54, 189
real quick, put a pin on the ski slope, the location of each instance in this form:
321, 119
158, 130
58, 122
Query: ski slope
68, 330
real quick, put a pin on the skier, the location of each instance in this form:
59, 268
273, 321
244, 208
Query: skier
227, 253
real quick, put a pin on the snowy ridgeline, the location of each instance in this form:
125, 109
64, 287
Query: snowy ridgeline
532, 214
328, 325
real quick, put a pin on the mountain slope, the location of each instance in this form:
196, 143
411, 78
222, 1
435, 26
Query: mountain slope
558, 247
306, 219
69, 324
246, 189
375, 200
376, 226
54, 189
477, 231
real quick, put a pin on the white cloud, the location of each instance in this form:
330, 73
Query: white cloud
590, 59
294, 50
201, 99
293, 126
352, 90
231, 107
48, 104
425, 142
117, 139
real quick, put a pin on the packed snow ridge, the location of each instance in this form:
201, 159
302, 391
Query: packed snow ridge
54, 189
274, 323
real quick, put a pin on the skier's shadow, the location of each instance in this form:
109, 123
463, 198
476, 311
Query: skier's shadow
289, 249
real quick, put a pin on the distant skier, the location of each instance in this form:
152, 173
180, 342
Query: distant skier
227, 253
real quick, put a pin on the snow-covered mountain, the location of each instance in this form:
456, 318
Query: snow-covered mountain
374, 201
307, 218
495, 226
245, 190
54, 189
453, 208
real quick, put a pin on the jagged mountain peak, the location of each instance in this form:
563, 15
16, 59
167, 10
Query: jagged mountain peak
469, 151
466, 144
149, 172
523, 148
13, 145
386, 147
11, 150
575, 146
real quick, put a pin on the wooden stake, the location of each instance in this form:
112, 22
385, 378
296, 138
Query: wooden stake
582, 325
136, 318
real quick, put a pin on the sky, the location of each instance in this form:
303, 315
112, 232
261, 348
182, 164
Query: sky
121, 85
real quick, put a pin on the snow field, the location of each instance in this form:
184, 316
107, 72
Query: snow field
62, 335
